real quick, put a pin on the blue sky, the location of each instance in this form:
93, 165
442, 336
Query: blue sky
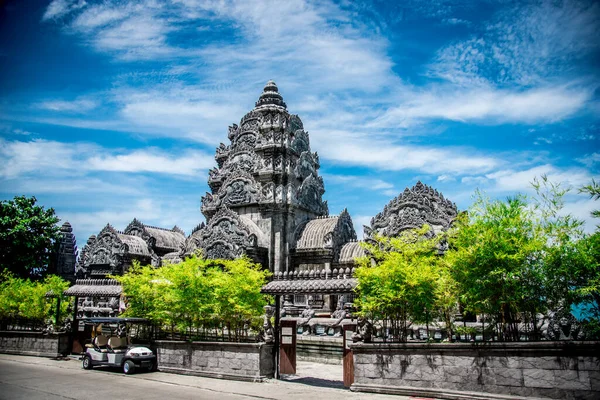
112, 110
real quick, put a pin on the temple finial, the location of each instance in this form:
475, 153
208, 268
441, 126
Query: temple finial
270, 96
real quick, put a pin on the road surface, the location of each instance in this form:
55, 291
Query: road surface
41, 378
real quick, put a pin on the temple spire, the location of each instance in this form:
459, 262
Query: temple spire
270, 96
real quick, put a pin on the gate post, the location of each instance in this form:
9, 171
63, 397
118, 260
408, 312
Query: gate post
287, 353
348, 361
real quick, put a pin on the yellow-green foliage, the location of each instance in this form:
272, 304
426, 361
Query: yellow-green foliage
22, 298
197, 293
408, 282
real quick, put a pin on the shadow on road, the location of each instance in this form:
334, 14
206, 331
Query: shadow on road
314, 381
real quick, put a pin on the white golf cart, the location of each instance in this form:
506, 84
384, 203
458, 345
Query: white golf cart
112, 346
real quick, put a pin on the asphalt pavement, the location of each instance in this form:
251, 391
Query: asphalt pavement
23, 377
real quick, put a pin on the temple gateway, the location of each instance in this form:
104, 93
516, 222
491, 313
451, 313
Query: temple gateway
265, 201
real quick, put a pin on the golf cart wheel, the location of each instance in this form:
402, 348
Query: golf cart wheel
87, 362
128, 367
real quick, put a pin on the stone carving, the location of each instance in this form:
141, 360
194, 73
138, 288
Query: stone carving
413, 208
267, 332
364, 331
108, 249
564, 326
233, 132
305, 166
136, 228
97, 307
246, 138
310, 195
66, 257
225, 237
300, 143
267, 192
340, 313
307, 314
295, 124
240, 188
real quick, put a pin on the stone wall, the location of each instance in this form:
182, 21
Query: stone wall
239, 361
321, 349
559, 370
34, 343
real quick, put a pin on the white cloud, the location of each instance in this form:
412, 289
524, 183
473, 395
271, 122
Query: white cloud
524, 44
51, 158
364, 182
191, 163
22, 132
77, 106
39, 156
380, 153
581, 209
520, 181
180, 112
590, 160
445, 178
320, 41
60, 8
545, 105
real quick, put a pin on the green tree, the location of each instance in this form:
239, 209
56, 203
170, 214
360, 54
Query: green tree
586, 270
403, 280
26, 299
218, 296
593, 190
496, 253
28, 234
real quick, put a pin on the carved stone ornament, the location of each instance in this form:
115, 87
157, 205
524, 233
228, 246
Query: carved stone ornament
295, 124
233, 132
240, 188
305, 166
224, 237
344, 233
300, 143
267, 192
413, 208
564, 326
107, 249
310, 195
136, 228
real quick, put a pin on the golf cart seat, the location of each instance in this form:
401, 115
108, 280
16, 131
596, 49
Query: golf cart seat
101, 342
117, 344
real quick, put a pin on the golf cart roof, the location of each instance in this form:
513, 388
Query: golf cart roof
115, 320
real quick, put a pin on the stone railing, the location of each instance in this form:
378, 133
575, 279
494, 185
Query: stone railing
34, 343
341, 273
225, 360
560, 370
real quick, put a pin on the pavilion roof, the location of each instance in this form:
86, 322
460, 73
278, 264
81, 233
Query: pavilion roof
312, 282
94, 288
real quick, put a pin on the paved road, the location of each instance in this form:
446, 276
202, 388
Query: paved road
40, 378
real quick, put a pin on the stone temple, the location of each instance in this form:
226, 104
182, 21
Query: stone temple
265, 201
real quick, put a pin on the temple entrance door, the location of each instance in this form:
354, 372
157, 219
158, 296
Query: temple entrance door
348, 358
287, 353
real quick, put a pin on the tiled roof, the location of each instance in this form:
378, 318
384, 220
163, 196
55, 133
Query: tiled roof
137, 246
315, 282
313, 235
94, 288
308, 286
166, 239
350, 252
